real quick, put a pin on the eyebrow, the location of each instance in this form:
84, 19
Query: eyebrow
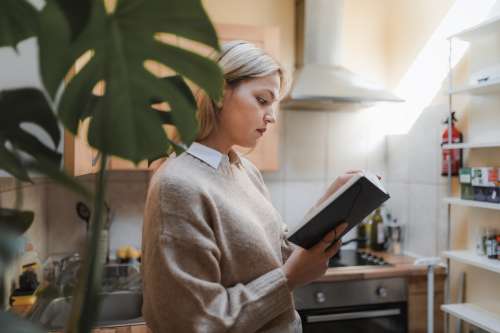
271, 92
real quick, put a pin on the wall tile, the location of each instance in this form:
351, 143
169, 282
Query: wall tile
347, 146
424, 141
399, 202
398, 151
299, 198
305, 145
67, 232
422, 228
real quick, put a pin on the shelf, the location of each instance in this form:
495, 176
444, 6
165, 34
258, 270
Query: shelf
470, 258
471, 145
471, 203
475, 315
488, 27
478, 89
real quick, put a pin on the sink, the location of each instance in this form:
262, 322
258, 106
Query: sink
117, 308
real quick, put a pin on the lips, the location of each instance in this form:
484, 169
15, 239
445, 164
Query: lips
261, 130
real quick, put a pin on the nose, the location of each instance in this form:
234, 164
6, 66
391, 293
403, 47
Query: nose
270, 116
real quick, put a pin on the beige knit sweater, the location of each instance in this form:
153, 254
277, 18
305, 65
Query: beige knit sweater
213, 250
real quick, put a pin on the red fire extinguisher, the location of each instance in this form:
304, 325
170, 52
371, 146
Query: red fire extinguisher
452, 156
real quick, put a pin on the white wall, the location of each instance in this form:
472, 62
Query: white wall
414, 162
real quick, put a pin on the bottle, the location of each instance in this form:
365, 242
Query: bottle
395, 237
484, 241
30, 259
377, 231
498, 246
363, 234
491, 245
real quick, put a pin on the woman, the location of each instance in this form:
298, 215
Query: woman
215, 256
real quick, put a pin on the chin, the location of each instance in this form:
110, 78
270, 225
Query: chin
248, 144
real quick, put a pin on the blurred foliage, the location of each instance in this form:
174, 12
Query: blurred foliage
115, 42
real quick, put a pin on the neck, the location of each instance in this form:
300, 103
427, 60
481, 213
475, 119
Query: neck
218, 143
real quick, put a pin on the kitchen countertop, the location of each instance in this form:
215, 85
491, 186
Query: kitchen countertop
403, 265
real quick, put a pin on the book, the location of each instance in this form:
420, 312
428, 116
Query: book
351, 203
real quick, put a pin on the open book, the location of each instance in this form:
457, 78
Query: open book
351, 203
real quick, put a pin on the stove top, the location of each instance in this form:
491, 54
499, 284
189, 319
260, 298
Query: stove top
349, 257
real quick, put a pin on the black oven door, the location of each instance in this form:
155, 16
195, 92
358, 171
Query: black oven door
380, 318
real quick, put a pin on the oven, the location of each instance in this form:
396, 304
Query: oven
374, 305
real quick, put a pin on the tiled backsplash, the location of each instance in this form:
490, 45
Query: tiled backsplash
415, 183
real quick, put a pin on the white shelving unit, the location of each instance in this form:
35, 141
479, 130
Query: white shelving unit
472, 145
471, 203
471, 313
478, 89
488, 27
475, 315
470, 258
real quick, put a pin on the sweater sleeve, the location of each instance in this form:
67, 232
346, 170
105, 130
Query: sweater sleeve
287, 247
182, 282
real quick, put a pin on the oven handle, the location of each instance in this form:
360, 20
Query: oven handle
353, 315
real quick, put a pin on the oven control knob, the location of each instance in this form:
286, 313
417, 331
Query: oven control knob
320, 297
381, 292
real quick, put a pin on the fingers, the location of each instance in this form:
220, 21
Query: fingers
330, 237
333, 249
341, 228
325, 242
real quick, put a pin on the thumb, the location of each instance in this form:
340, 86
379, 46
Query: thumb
325, 242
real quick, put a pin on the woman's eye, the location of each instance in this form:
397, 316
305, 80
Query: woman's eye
261, 100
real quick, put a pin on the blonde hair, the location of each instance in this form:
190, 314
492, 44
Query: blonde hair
239, 61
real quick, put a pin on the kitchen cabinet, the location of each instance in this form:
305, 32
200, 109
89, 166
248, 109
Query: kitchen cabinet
417, 303
480, 91
81, 159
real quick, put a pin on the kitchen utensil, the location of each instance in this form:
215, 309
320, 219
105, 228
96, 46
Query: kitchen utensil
84, 213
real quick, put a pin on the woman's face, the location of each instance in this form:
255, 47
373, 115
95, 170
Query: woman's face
248, 108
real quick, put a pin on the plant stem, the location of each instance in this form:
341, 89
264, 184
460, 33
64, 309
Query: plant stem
85, 305
18, 203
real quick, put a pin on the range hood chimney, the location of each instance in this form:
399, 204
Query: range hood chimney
322, 83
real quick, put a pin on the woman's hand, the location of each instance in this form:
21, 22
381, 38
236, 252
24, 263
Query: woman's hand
337, 183
304, 266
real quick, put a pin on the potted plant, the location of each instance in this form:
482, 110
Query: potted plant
119, 36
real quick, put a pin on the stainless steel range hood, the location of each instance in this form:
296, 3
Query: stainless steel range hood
321, 82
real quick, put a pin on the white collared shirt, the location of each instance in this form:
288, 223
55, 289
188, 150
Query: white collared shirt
208, 155
211, 156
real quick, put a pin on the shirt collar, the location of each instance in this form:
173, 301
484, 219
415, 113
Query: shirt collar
211, 156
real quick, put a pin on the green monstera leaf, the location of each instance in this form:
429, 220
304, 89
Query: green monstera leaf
119, 42
18, 21
29, 106
25, 106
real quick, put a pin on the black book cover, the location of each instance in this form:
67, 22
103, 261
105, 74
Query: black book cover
356, 200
